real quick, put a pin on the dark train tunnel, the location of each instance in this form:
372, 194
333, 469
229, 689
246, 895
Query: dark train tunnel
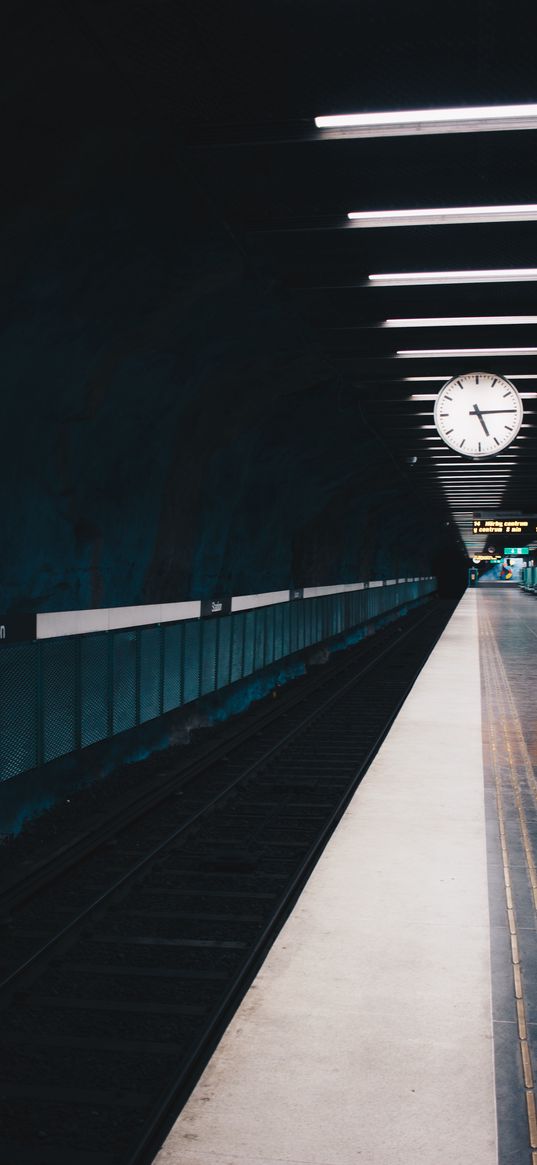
258, 602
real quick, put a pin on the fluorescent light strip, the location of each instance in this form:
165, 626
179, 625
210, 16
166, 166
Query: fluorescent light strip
433, 395
420, 353
424, 278
471, 119
426, 379
443, 215
458, 321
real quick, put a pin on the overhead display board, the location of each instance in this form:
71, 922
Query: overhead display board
488, 526
515, 551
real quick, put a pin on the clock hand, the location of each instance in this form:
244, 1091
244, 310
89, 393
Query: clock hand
476, 412
483, 412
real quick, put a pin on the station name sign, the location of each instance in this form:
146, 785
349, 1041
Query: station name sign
487, 526
211, 607
17, 629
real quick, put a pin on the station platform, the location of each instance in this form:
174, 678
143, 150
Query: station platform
395, 1017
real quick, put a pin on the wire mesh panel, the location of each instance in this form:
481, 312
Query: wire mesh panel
299, 625
150, 648
286, 629
59, 690
259, 638
224, 651
307, 623
249, 642
237, 646
269, 635
171, 646
191, 675
124, 680
18, 709
208, 656
278, 631
290, 629
93, 688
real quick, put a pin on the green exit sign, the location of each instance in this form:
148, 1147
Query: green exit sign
514, 551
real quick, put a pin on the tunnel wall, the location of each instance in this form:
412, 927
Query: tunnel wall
172, 428
65, 693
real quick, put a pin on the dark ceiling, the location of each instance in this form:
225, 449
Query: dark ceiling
242, 84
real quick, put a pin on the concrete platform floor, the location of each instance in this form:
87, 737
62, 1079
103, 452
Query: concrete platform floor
369, 1034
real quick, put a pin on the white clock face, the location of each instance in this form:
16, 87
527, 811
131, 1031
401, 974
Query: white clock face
478, 413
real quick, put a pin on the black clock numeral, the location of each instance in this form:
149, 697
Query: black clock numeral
448, 431
477, 379
507, 394
463, 442
448, 398
458, 384
509, 428
479, 446
444, 414
496, 440
494, 382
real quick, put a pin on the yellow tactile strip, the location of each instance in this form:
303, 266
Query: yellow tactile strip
509, 755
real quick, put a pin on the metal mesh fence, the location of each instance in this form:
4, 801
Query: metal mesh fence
124, 681
249, 643
61, 694
94, 688
59, 697
237, 647
19, 713
223, 669
191, 676
172, 666
208, 655
150, 673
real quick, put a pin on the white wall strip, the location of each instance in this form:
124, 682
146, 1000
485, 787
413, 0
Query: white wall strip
246, 602
56, 623
317, 592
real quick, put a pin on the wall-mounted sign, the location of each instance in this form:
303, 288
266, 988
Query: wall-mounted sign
215, 607
17, 629
487, 526
486, 558
516, 551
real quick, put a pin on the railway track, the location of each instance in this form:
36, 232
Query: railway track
124, 957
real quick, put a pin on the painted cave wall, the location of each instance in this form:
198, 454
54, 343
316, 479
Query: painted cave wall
170, 430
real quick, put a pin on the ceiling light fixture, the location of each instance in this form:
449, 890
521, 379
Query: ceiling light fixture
471, 119
424, 278
457, 321
444, 215
444, 353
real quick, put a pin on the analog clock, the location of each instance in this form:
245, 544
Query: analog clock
478, 414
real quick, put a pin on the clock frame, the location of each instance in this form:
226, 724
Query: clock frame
478, 414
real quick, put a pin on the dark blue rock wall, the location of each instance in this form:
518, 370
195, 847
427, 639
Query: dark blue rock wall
170, 428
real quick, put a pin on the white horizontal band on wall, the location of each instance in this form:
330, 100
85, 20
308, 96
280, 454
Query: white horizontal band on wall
54, 623
246, 602
51, 624
317, 592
